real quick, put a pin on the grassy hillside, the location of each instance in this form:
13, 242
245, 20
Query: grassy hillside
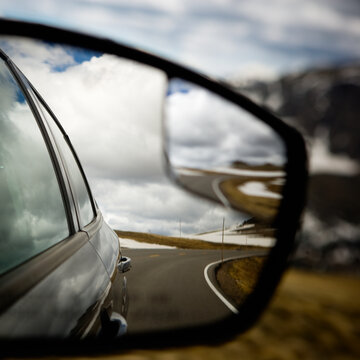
238, 278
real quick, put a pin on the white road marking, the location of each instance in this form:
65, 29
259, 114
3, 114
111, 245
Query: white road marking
216, 291
216, 188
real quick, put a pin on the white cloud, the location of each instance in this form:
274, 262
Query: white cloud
112, 110
158, 207
205, 131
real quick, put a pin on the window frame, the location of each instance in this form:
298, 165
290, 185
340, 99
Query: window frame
16, 73
64, 162
63, 167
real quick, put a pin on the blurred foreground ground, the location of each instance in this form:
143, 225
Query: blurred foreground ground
312, 316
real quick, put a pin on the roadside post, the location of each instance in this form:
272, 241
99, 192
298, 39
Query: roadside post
222, 241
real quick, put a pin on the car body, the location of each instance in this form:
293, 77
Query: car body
61, 262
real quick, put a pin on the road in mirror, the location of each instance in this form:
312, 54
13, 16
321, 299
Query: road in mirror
221, 152
194, 261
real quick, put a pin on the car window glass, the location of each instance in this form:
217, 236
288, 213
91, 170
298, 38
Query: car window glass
32, 212
80, 190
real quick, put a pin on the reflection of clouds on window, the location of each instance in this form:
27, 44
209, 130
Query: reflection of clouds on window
78, 184
206, 131
32, 215
9, 92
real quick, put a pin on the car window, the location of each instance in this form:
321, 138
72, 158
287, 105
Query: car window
32, 212
79, 188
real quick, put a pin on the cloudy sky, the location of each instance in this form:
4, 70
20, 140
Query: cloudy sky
112, 110
219, 37
119, 142
196, 138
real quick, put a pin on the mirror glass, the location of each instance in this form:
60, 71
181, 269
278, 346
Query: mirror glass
220, 151
194, 260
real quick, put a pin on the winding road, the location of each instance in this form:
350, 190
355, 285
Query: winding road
168, 289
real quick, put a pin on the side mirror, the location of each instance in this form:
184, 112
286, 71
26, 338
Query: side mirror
245, 169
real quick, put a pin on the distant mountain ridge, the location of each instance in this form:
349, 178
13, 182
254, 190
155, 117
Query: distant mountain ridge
317, 98
323, 101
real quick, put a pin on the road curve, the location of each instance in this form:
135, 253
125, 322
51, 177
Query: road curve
167, 288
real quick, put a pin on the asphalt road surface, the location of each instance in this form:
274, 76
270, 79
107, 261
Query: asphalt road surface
168, 289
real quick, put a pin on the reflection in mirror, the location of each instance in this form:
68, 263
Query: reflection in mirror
194, 261
26, 228
221, 152
218, 150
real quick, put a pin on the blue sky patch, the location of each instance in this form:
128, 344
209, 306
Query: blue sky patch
79, 55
